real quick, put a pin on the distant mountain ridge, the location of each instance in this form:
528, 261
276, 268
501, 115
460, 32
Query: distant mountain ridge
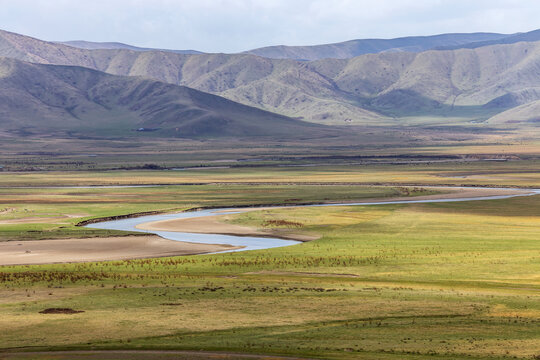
353, 48
342, 50
530, 36
451, 87
91, 45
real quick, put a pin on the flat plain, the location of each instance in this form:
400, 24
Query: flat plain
102, 132
406, 281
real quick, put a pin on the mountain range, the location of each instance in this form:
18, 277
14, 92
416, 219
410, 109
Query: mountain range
351, 48
79, 102
488, 80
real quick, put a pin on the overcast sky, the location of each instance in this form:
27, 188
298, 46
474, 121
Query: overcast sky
237, 25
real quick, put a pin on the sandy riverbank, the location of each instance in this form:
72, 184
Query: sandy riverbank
98, 249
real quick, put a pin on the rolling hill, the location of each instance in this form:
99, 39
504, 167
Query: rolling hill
53, 100
450, 87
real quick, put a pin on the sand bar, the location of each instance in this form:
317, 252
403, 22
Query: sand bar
215, 225
98, 249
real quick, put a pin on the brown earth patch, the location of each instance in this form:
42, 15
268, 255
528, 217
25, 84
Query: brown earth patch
282, 223
60, 311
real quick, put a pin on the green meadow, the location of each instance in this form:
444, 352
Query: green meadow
409, 281
50, 213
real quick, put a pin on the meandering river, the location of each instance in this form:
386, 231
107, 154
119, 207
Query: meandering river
256, 243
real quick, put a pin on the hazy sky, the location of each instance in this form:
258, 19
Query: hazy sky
236, 25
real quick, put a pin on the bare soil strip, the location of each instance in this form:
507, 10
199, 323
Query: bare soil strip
98, 249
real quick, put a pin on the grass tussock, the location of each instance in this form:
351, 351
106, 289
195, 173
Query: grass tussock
282, 223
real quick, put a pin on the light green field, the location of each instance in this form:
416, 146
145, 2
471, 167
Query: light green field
30, 214
416, 281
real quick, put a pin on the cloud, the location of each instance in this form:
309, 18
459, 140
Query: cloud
236, 25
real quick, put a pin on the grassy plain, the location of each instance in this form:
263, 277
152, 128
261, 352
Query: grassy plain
416, 281
522, 173
51, 213
368, 146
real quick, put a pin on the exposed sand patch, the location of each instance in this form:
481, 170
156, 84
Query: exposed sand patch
99, 249
74, 216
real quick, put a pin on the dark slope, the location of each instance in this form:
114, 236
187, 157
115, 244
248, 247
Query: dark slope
62, 100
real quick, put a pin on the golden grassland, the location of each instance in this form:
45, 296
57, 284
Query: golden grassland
481, 173
50, 213
393, 281
409, 281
